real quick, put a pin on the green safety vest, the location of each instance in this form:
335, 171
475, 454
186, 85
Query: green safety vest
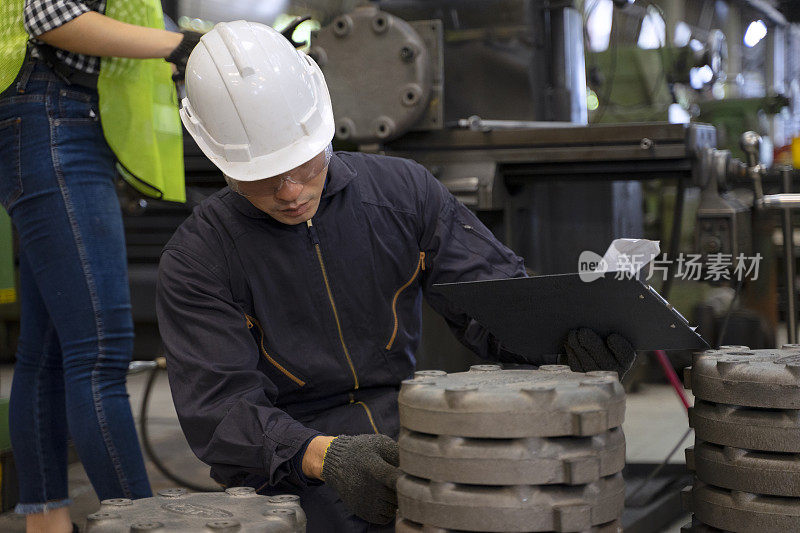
13, 41
138, 102
8, 293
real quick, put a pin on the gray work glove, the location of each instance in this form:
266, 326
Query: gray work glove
362, 469
586, 351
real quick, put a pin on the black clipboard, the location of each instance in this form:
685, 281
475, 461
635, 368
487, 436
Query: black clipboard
531, 316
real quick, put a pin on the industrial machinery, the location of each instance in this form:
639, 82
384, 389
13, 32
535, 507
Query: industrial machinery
491, 96
487, 97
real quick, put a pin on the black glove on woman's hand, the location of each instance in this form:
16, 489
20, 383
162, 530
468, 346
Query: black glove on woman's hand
586, 351
180, 55
362, 469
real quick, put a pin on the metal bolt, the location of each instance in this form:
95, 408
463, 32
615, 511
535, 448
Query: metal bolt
413, 384
602, 374
318, 54
283, 511
102, 516
484, 368
411, 95
429, 373
342, 26
117, 502
172, 493
380, 23
384, 127
407, 54
646, 144
240, 491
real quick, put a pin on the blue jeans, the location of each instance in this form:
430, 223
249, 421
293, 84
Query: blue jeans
76, 335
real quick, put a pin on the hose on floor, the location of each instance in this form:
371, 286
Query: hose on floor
155, 368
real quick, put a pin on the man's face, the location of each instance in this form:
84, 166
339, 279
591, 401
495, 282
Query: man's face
293, 197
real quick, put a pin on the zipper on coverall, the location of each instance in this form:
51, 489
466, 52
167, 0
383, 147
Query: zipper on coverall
312, 233
420, 267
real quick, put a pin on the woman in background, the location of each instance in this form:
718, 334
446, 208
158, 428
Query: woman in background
57, 183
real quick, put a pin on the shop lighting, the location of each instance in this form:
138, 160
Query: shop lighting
756, 31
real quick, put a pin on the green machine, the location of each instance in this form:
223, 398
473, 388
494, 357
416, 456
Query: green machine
633, 84
639, 85
8, 292
734, 116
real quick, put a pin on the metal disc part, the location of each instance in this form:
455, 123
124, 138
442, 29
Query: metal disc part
776, 474
518, 508
743, 512
488, 402
524, 461
753, 378
407, 526
773, 430
237, 510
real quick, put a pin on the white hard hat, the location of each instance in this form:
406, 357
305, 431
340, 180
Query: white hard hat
255, 106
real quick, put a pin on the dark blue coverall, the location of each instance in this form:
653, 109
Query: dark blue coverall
275, 334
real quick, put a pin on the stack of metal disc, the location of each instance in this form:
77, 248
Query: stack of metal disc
237, 510
511, 450
746, 456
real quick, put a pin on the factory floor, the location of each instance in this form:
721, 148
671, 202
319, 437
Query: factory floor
654, 421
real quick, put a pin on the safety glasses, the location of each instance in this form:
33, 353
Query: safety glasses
298, 175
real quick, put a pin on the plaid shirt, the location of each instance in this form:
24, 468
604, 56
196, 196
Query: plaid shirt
44, 15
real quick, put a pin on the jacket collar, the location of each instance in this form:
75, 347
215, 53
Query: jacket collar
340, 174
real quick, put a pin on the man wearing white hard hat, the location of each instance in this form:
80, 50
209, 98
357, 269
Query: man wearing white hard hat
290, 301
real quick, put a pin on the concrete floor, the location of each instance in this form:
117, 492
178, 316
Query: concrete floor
654, 421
